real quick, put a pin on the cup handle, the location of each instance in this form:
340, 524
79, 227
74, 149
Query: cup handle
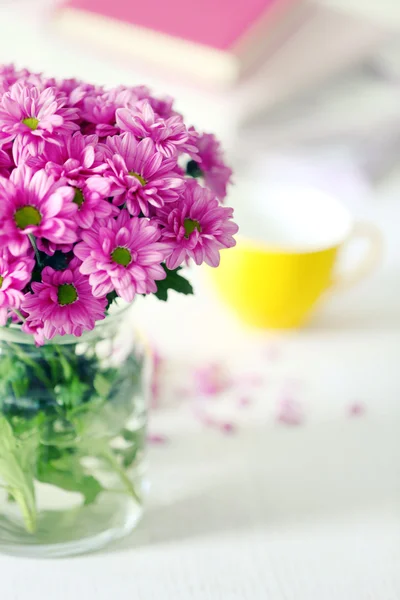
370, 233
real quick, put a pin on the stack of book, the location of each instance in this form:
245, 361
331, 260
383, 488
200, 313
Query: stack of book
279, 46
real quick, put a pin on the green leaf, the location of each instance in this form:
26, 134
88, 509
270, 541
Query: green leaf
173, 281
128, 455
100, 418
58, 432
102, 385
71, 394
30, 361
137, 442
17, 460
65, 364
110, 298
13, 377
193, 169
68, 474
109, 456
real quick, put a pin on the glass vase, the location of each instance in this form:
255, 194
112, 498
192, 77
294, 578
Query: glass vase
72, 439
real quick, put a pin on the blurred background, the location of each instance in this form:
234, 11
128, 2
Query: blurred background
284, 441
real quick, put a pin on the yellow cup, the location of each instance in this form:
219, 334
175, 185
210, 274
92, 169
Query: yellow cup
275, 277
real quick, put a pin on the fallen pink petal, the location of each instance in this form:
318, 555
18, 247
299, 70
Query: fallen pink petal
212, 379
227, 427
244, 401
157, 438
203, 417
356, 409
209, 421
290, 412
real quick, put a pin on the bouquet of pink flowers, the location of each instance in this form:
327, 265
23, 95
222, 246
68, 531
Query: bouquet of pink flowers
103, 194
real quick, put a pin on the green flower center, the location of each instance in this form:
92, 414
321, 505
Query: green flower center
121, 256
31, 122
67, 294
78, 198
1, 281
191, 225
26, 216
138, 177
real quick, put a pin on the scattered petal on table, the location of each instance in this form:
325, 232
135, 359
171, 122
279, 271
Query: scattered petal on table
227, 427
356, 409
157, 438
209, 421
290, 412
212, 379
244, 401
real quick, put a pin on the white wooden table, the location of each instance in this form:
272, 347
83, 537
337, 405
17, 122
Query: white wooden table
270, 512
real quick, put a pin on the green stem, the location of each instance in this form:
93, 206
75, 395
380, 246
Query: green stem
68, 364
19, 315
28, 509
14, 386
35, 248
113, 462
31, 363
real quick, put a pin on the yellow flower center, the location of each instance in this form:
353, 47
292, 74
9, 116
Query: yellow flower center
121, 256
31, 122
67, 294
27, 216
138, 177
191, 225
1, 281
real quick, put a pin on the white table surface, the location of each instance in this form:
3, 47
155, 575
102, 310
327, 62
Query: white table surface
271, 512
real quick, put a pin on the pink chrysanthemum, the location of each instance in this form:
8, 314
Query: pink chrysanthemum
78, 94
123, 255
71, 86
76, 158
15, 274
36, 80
99, 174
34, 204
92, 203
139, 175
62, 304
51, 247
32, 117
99, 110
197, 227
211, 165
6, 163
10, 75
170, 136
163, 107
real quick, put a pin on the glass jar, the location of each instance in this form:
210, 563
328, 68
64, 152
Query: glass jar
72, 437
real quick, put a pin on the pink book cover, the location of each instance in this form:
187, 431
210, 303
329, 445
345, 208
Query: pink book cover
219, 24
